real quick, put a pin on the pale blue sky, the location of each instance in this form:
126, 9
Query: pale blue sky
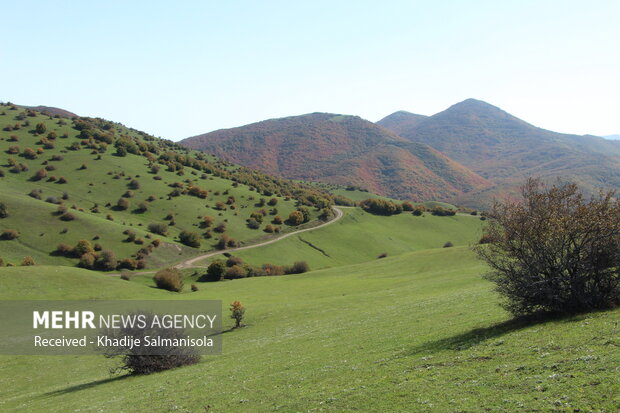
176, 69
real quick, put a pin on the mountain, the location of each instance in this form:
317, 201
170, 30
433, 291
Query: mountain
401, 120
506, 150
340, 149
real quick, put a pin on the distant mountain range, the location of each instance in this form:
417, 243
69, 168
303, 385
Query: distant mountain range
345, 150
470, 153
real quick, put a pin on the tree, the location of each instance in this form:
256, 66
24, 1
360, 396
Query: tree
191, 239
215, 271
237, 311
40, 128
381, 207
554, 251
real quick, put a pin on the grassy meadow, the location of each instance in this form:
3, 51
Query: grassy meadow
417, 332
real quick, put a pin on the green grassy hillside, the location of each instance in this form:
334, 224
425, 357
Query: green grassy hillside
360, 236
418, 332
80, 165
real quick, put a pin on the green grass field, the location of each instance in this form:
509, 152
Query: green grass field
360, 236
417, 332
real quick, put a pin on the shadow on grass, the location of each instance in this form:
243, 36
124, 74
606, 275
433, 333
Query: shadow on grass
476, 336
85, 386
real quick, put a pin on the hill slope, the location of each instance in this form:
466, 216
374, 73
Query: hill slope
419, 332
64, 180
344, 150
505, 149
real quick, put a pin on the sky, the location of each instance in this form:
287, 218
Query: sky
178, 69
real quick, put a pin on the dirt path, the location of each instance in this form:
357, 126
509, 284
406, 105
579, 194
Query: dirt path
189, 263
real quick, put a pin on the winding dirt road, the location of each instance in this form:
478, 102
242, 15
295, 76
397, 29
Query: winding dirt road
190, 263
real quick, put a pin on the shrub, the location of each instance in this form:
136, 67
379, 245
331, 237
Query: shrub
215, 271
67, 216
29, 153
4, 212
169, 279
9, 234
380, 207
485, 239
271, 269
27, 261
555, 251
191, 239
298, 267
194, 287
442, 212
382, 255
40, 128
207, 221
269, 228
127, 263
253, 224
83, 247
35, 193
126, 275
40, 174
62, 180
107, 260
418, 211
221, 227
277, 220
273, 202
122, 204
237, 312
407, 206
158, 228
235, 272
143, 207
88, 260
133, 184
64, 249
158, 358
295, 218
448, 244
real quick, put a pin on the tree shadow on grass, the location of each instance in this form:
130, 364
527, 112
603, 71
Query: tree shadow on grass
85, 386
476, 336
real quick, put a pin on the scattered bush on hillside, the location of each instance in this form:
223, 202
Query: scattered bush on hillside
418, 210
485, 239
194, 288
237, 312
4, 212
67, 216
298, 267
215, 271
380, 207
253, 224
555, 251
220, 228
82, 247
9, 234
442, 212
158, 228
235, 272
35, 193
382, 255
343, 201
88, 260
135, 361
448, 244
126, 275
169, 279
107, 260
295, 218
191, 239
27, 261
122, 204
407, 206
40, 174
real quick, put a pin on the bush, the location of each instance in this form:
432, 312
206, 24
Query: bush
64, 249
235, 272
295, 218
232, 261
122, 204
215, 271
4, 212
191, 239
88, 260
220, 228
169, 279
554, 251
194, 287
298, 267
9, 234
382, 255
448, 244
158, 228
407, 206
442, 212
136, 361
133, 184
107, 260
126, 275
380, 207
418, 211
237, 312
83, 247
485, 239
253, 224
40, 174
67, 216
27, 261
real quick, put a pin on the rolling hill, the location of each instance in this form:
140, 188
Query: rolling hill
506, 150
345, 150
66, 180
